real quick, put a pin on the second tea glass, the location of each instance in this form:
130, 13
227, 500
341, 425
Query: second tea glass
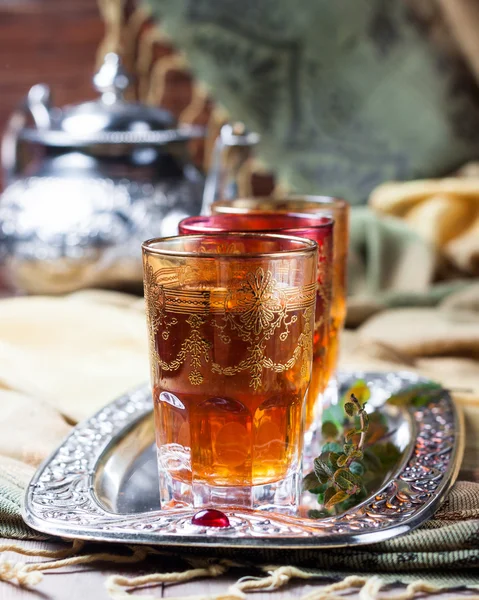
323, 206
319, 229
230, 321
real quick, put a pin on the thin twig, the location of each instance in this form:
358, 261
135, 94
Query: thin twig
364, 430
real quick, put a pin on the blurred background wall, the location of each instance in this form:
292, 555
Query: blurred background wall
51, 41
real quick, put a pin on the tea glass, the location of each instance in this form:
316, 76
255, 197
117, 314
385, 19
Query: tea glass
230, 320
319, 229
324, 206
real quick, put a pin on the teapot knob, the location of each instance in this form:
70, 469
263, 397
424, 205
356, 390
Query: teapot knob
236, 134
112, 79
39, 104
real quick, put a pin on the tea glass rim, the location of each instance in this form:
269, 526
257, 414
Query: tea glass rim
305, 246
324, 223
320, 200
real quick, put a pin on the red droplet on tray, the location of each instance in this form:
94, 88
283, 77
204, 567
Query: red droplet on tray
211, 518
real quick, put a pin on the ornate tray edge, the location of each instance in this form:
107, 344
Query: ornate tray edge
131, 407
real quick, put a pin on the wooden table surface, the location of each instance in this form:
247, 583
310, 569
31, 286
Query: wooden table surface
88, 583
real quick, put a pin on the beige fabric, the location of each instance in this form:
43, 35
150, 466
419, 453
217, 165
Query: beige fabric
438, 218
440, 343
106, 297
424, 331
15, 471
459, 374
30, 428
467, 299
445, 212
73, 355
463, 250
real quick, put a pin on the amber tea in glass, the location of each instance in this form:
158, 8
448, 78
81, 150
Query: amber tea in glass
230, 321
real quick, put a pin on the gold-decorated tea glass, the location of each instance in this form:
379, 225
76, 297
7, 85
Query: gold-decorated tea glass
230, 321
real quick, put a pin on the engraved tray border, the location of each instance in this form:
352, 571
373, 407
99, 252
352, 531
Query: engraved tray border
60, 498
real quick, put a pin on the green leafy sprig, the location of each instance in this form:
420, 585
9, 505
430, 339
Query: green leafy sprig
337, 470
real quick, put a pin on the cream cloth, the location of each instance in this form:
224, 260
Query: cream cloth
74, 353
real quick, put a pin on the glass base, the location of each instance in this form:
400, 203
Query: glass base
281, 496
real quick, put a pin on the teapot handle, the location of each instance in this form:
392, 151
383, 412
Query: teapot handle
36, 105
9, 149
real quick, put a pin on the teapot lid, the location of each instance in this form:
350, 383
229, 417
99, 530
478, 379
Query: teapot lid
108, 120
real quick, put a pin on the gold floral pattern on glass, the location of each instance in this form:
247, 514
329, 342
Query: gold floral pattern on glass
254, 310
261, 309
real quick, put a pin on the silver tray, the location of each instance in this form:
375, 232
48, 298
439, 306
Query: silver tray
102, 483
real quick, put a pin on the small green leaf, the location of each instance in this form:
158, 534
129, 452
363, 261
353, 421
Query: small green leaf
336, 499
347, 448
322, 470
352, 500
349, 409
329, 431
356, 468
310, 482
347, 481
333, 459
328, 494
356, 454
332, 447
350, 434
365, 417
425, 398
342, 460
320, 489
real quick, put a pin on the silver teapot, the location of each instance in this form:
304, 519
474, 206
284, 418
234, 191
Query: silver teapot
87, 184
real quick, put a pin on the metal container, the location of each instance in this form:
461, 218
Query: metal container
87, 184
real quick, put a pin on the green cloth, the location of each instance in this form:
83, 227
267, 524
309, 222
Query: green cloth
391, 266
14, 477
345, 94
386, 257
